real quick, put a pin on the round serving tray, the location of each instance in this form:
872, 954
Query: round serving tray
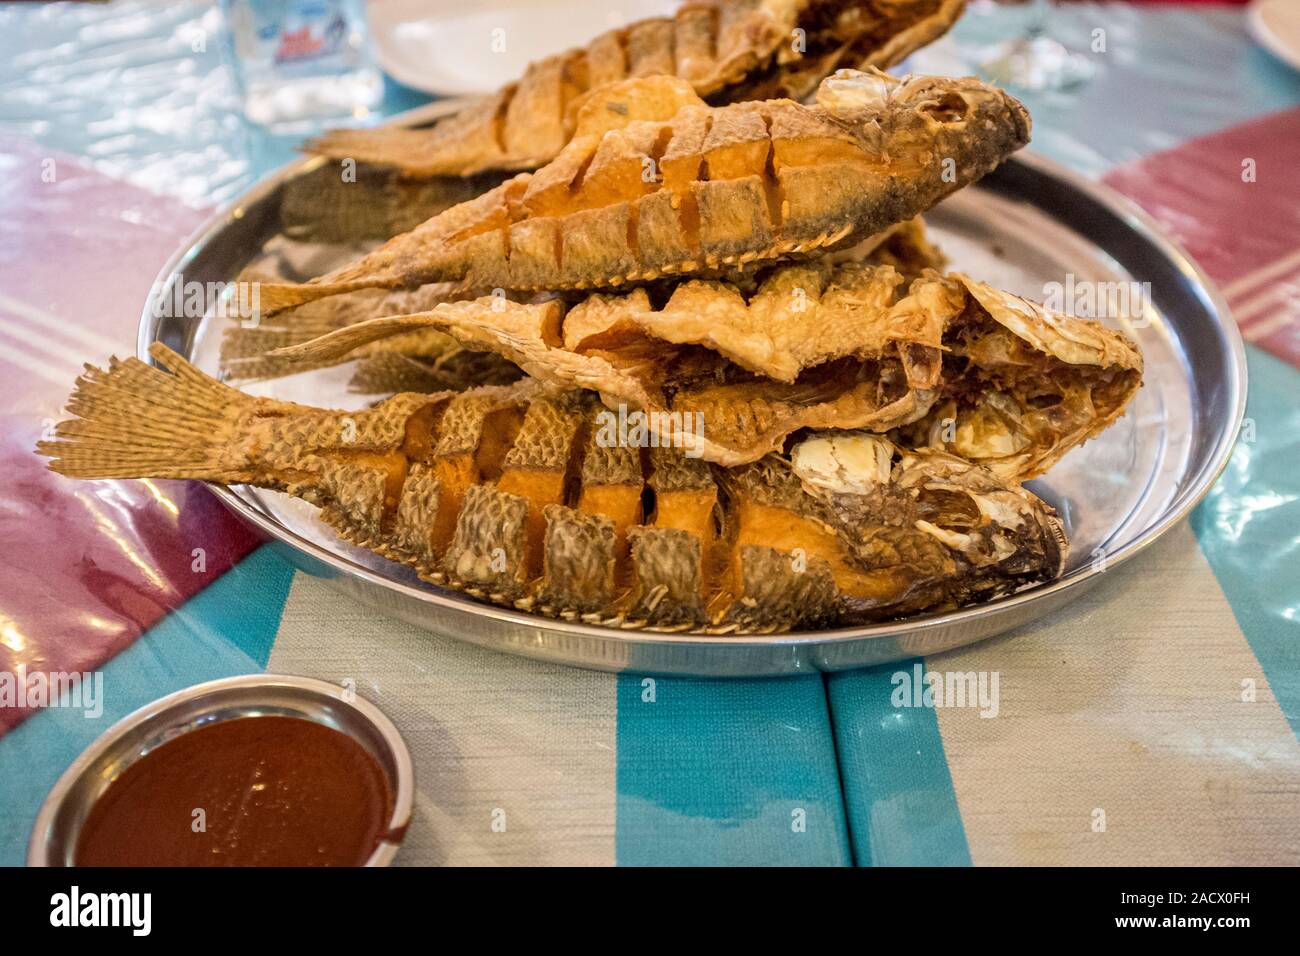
1028, 224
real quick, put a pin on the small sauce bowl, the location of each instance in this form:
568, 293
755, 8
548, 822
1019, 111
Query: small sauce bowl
59, 823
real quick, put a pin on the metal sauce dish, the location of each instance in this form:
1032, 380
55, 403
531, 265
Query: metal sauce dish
58, 824
1028, 224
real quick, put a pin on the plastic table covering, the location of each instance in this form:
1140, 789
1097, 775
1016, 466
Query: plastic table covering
1154, 721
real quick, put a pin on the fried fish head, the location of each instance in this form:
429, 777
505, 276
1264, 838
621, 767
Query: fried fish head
926, 114
1022, 385
835, 34
941, 531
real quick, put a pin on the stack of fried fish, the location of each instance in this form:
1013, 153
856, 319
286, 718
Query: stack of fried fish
696, 368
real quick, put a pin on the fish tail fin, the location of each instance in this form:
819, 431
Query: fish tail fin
389, 146
244, 346
335, 346
277, 296
136, 420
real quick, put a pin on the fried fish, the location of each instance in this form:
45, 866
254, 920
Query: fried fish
377, 183
520, 495
950, 362
654, 183
245, 348
723, 50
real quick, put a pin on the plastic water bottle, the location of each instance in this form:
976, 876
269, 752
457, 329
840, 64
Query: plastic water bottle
301, 61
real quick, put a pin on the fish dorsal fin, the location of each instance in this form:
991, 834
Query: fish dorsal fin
651, 98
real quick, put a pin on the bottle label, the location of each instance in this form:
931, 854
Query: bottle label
311, 41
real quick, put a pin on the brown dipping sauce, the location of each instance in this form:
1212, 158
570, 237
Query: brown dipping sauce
275, 791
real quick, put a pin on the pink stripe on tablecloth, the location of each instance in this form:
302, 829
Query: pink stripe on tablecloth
1233, 200
87, 566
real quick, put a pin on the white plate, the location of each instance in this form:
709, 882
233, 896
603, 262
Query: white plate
1275, 25
477, 46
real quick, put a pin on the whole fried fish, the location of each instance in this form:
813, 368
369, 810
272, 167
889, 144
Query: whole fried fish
654, 183
725, 50
532, 498
426, 355
954, 363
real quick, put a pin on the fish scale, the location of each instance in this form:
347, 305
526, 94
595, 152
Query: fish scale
580, 559
417, 516
668, 566
537, 464
489, 545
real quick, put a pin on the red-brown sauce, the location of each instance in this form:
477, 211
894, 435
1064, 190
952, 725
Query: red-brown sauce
273, 791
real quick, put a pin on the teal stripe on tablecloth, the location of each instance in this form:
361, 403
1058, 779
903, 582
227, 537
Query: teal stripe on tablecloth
727, 773
256, 600
898, 793
226, 629
1249, 527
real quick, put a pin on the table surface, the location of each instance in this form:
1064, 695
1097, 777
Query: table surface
1154, 721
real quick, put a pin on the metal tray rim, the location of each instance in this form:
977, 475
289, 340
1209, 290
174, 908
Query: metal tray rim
1124, 209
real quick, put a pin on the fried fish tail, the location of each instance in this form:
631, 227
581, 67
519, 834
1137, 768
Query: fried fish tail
135, 419
346, 201
408, 261
244, 346
279, 296
407, 149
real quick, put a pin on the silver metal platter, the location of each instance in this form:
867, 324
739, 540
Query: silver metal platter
1029, 224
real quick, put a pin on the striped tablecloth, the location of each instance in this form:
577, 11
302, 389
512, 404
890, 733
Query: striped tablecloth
1154, 721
